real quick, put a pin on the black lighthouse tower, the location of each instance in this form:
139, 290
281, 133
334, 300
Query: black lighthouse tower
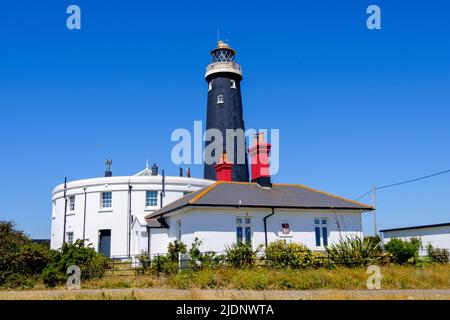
224, 75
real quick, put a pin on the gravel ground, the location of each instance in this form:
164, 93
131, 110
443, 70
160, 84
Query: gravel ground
174, 294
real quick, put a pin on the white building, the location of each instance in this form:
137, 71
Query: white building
438, 235
104, 210
227, 212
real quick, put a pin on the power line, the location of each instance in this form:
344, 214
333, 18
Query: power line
412, 180
365, 194
402, 182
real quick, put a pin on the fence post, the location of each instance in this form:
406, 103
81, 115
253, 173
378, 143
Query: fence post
157, 265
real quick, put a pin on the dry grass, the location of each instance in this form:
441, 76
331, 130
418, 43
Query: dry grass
258, 283
393, 277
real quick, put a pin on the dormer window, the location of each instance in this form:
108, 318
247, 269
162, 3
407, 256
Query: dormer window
232, 84
220, 99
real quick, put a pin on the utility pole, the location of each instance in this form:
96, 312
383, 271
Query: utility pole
374, 205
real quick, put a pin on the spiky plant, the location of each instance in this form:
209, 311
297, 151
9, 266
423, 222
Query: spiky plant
355, 251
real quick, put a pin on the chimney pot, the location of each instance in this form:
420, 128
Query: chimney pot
154, 169
259, 154
223, 168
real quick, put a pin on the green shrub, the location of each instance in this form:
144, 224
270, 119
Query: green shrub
30, 259
241, 254
175, 248
144, 263
203, 259
354, 251
53, 276
17, 280
437, 255
21, 260
165, 264
91, 263
404, 251
11, 240
319, 260
281, 254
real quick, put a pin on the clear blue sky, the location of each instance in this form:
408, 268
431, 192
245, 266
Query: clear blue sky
355, 108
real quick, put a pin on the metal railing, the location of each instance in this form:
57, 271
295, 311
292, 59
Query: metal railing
161, 263
217, 65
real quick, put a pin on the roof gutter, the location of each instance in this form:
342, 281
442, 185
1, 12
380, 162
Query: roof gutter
257, 207
265, 225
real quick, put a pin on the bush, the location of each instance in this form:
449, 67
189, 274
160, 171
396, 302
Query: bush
241, 254
354, 251
175, 249
20, 259
30, 259
144, 263
53, 276
203, 259
319, 260
281, 254
165, 264
404, 251
437, 255
92, 264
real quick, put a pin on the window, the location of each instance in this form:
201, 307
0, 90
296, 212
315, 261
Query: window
220, 99
70, 237
106, 199
151, 199
321, 230
210, 85
244, 230
232, 84
71, 203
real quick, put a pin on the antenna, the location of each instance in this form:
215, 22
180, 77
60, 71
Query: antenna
108, 164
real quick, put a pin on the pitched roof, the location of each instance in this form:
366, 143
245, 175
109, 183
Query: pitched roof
245, 194
418, 227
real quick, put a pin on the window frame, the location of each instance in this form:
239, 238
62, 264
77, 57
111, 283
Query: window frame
233, 84
321, 232
151, 202
244, 230
103, 200
220, 99
71, 204
69, 234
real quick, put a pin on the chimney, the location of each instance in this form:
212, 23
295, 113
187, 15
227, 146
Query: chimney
188, 172
181, 172
108, 164
223, 168
154, 169
259, 154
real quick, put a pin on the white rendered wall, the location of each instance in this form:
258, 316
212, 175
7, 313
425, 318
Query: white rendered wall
438, 237
216, 227
117, 218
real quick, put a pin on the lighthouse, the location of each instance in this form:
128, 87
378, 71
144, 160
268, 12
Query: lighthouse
224, 110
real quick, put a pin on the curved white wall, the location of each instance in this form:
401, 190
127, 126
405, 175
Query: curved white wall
88, 193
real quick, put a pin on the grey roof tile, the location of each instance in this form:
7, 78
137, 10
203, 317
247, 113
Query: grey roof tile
253, 195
